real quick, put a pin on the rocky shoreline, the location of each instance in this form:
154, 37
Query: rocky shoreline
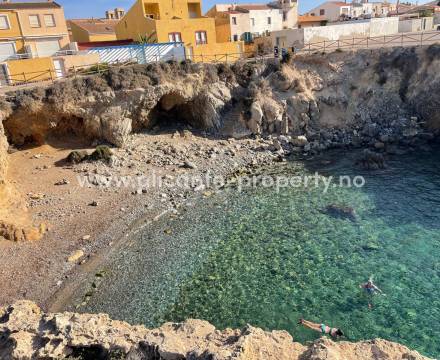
233, 120
28, 333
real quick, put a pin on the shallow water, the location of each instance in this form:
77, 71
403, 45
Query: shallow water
268, 258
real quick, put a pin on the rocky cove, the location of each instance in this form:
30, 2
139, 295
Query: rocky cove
229, 119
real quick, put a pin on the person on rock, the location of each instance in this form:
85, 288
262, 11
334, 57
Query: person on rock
322, 328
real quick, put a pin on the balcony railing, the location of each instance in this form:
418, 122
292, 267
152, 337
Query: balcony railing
20, 56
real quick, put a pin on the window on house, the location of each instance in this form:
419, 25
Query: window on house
322, 12
150, 16
284, 15
201, 37
34, 21
234, 20
253, 21
4, 22
175, 37
49, 20
269, 20
235, 37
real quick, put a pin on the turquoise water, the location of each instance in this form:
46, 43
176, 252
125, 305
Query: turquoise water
268, 258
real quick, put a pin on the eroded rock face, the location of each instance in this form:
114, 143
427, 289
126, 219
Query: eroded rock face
3, 153
28, 333
344, 99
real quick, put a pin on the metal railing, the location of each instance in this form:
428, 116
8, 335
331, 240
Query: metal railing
375, 42
20, 56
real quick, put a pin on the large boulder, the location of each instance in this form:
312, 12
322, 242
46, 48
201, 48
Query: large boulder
256, 119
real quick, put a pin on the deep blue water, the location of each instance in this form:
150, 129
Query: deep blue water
268, 258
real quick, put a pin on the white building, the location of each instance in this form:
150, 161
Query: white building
255, 19
298, 38
332, 10
364, 9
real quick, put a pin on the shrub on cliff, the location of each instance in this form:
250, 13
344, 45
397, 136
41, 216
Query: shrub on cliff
244, 72
433, 52
225, 73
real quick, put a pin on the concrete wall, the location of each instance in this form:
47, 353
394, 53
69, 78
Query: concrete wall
222, 27
30, 69
343, 30
414, 25
78, 61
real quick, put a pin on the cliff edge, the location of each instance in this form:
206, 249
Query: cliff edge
28, 333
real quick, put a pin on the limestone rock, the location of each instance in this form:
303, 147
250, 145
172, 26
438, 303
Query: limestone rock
75, 256
3, 152
28, 333
255, 122
300, 141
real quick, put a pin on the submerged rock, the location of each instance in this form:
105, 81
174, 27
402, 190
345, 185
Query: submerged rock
343, 212
28, 333
371, 160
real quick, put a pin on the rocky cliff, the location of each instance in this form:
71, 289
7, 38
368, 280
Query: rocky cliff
339, 99
3, 152
28, 333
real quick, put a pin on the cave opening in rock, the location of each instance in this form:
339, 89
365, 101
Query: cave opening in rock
173, 112
59, 133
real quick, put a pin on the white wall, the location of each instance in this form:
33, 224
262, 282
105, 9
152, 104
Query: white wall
261, 23
343, 30
414, 25
242, 26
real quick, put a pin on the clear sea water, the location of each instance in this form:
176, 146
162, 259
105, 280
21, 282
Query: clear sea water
268, 258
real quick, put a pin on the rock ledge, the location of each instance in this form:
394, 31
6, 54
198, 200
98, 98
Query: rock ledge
28, 333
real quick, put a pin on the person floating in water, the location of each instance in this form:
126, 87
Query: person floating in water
371, 290
324, 329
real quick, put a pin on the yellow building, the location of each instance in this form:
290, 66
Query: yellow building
92, 30
177, 21
32, 35
35, 28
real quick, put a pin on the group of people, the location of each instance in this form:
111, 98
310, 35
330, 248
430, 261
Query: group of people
370, 288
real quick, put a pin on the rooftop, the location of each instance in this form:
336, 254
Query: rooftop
310, 18
96, 26
29, 5
254, 6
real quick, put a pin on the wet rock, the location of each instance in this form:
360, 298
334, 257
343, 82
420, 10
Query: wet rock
370, 160
371, 247
342, 212
300, 141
